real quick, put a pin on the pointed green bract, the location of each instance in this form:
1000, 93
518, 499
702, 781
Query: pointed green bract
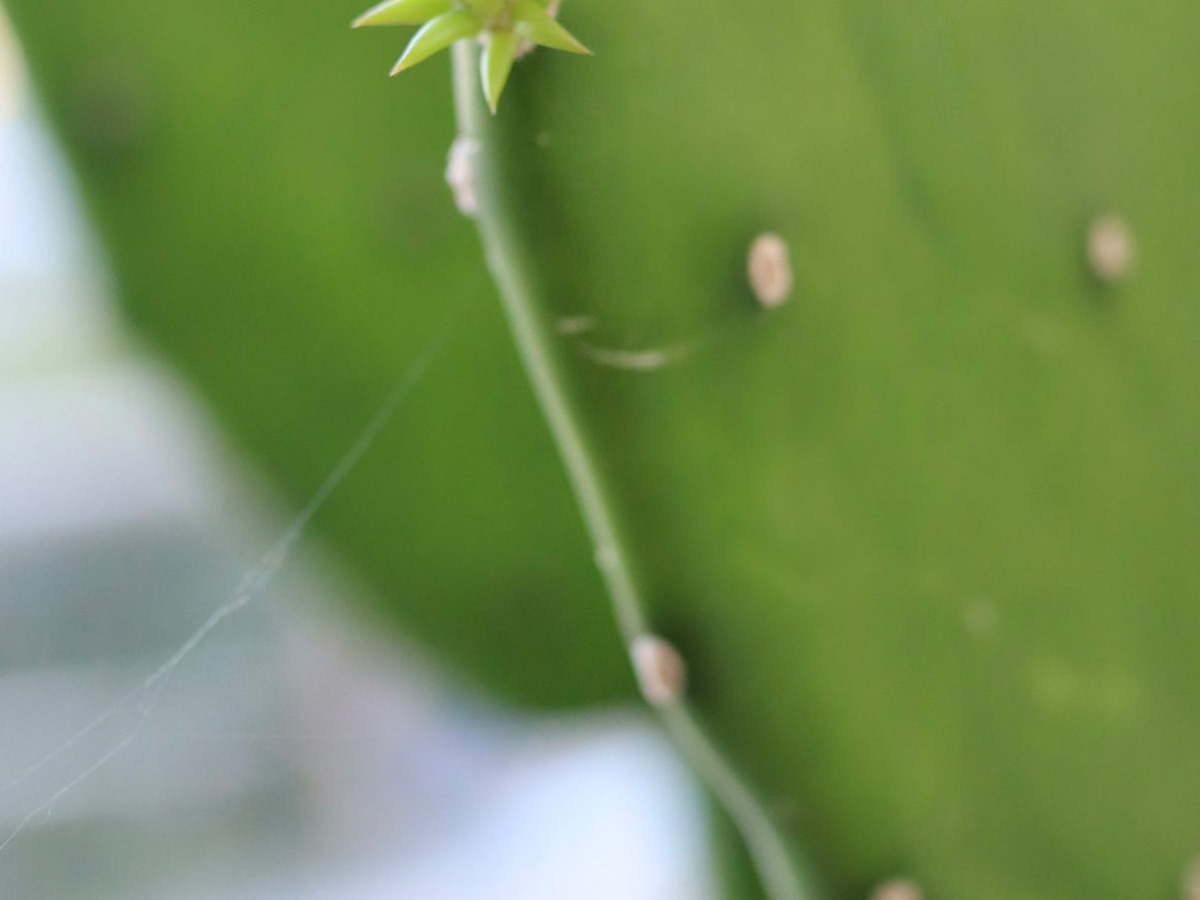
403, 12
488, 9
508, 24
437, 34
498, 58
533, 23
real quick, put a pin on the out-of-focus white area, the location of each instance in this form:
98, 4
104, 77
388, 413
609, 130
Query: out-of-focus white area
290, 757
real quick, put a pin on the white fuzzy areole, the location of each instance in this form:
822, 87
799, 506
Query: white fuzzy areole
460, 175
769, 269
660, 669
1111, 249
897, 889
570, 326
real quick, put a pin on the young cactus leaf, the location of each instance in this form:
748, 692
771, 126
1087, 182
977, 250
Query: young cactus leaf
403, 12
498, 58
533, 23
437, 34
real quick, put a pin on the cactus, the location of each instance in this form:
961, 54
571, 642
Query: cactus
926, 532
912, 503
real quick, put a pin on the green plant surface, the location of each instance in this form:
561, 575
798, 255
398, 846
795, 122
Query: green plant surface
928, 534
275, 215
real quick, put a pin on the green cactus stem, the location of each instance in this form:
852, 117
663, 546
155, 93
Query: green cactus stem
783, 875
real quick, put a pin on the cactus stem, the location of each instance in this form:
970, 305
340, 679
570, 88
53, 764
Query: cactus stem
780, 870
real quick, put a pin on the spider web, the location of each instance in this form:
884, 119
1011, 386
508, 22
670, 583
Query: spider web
144, 696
